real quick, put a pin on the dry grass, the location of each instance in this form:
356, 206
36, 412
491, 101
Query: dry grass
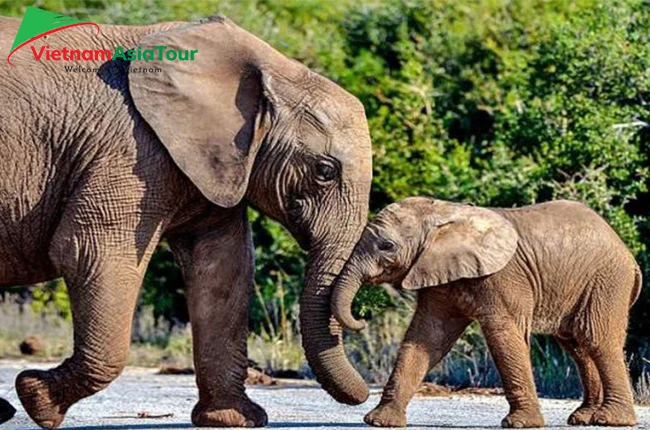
20, 321
277, 354
17, 322
155, 343
642, 390
176, 351
278, 348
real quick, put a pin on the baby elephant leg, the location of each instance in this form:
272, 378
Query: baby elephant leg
617, 408
511, 354
7, 411
591, 386
605, 339
427, 341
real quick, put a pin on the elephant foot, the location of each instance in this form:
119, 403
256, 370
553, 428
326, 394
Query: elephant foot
239, 413
520, 419
582, 416
7, 411
614, 414
386, 416
40, 395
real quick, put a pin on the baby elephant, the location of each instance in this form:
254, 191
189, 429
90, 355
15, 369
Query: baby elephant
554, 268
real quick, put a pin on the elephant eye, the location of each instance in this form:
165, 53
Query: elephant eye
387, 245
325, 171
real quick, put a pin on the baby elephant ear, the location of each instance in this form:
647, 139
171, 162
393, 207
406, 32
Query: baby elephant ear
473, 242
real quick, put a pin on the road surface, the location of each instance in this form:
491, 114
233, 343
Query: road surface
289, 407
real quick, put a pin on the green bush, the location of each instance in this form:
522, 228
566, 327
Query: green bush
507, 103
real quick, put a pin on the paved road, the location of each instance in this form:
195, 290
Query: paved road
141, 390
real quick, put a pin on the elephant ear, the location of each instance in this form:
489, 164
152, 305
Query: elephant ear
211, 113
473, 242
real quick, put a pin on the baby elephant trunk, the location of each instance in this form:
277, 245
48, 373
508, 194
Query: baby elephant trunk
345, 288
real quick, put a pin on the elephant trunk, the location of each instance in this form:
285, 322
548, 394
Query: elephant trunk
345, 289
322, 335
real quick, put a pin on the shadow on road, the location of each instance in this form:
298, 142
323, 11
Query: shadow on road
133, 426
184, 425
309, 425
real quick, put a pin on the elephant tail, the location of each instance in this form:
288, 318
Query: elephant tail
638, 283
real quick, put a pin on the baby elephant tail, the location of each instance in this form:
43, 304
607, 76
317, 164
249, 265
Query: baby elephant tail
638, 283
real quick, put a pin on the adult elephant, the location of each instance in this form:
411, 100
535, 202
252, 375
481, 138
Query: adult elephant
98, 167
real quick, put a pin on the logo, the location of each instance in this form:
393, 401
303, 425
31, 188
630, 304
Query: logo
38, 23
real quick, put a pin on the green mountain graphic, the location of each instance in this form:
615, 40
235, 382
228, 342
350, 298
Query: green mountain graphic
38, 22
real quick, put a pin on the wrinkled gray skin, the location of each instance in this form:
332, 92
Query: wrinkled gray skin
97, 167
555, 268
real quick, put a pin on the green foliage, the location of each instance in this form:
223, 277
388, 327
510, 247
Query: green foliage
507, 103
371, 300
51, 295
163, 288
279, 265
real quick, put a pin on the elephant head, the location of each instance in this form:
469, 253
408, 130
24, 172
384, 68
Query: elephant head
246, 123
420, 242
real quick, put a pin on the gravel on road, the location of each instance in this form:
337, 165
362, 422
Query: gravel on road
142, 391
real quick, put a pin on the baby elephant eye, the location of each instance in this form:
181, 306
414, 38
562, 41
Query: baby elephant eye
386, 246
325, 171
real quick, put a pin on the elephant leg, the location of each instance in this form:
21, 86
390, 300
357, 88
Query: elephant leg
617, 408
428, 339
591, 386
102, 258
510, 350
103, 297
7, 411
218, 270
